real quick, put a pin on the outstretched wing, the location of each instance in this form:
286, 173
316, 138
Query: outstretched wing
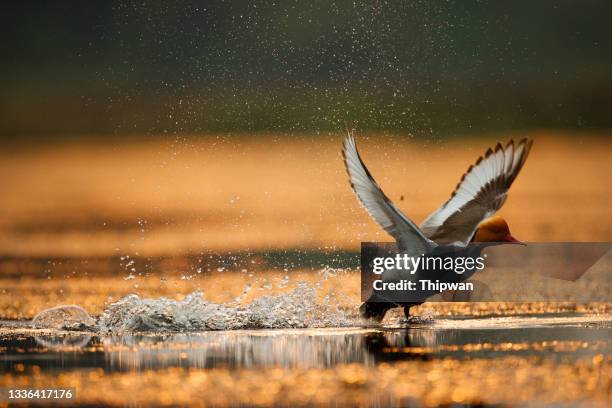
480, 193
377, 204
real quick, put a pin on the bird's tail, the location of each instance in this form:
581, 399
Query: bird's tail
374, 310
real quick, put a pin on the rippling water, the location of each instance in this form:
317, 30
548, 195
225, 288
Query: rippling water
289, 338
314, 348
528, 358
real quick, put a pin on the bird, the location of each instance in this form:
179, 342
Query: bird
467, 217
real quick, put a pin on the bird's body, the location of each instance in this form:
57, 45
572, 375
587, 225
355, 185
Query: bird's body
384, 299
467, 217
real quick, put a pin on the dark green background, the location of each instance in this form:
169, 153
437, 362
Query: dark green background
421, 67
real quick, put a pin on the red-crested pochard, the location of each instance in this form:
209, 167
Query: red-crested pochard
467, 216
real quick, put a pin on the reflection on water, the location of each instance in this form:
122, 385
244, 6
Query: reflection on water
288, 349
549, 360
311, 348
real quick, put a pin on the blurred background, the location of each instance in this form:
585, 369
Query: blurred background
426, 68
163, 128
162, 148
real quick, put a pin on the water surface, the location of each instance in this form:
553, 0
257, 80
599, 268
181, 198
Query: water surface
386, 365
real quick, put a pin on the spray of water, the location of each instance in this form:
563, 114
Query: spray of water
303, 307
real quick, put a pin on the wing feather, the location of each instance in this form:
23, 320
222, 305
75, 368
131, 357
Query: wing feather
408, 236
481, 192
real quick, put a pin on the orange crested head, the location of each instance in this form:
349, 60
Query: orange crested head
495, 229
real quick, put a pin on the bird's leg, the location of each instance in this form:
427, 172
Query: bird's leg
407, 312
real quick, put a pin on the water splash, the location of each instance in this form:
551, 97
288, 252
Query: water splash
66, 317
306, 306
299, 308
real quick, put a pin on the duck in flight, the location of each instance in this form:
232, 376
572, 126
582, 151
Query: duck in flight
468, 216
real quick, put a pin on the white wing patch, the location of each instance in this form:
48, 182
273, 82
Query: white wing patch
481, 192
377, 204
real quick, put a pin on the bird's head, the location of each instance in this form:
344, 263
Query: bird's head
495, 229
